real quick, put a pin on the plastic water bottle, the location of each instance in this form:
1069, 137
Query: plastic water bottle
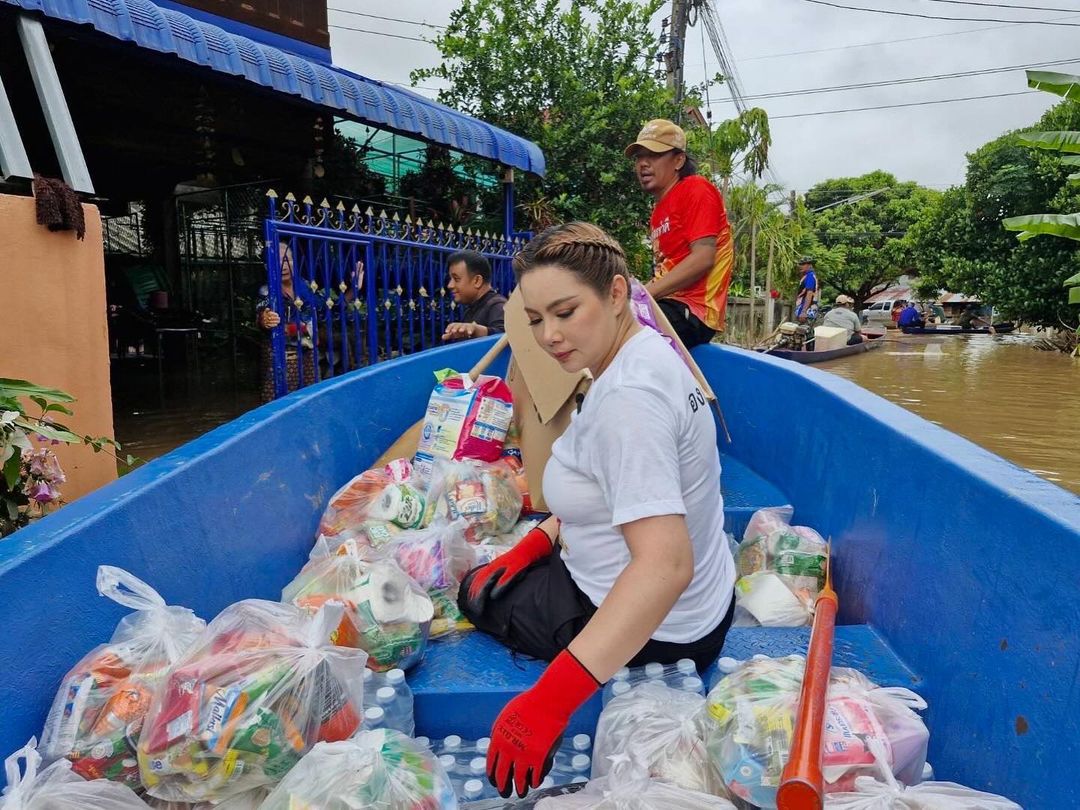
927, 773
619, 680
693, 683
482, 746
654, 671
384, 699
449, 764
424, 741
451, 744
473, 790
403, 701
374, 718
727, 665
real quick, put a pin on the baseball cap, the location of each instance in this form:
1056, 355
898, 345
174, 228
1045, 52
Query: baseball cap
659, 135
844, 299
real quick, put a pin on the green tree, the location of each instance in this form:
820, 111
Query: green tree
740, 143
961, 245
578, 79
862, 228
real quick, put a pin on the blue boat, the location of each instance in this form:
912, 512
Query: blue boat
957, 571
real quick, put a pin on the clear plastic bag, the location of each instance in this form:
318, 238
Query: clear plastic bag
437, 556
375, 770
661, 728
258, 690
752, 713
99, 709
387, 614
374, 505
58, 788
870, 794
484, 495
772, 553
251, 800
627, 787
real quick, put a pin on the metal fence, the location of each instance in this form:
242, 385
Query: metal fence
365, 287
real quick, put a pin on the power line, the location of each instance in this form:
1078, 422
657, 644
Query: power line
937, 17
380, 33
912, 80
387, 19
897, 106
1011, 6
885, 42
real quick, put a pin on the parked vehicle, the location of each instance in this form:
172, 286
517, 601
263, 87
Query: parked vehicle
879, 313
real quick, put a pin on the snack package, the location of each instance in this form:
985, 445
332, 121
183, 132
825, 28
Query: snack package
641, 306
663, 730
627, 787
256, 692
58, 788
793, 555
464, 419
99, 709
512, 455
752, 719
870, 794
375, 770
484, 495
374, 505
386, 613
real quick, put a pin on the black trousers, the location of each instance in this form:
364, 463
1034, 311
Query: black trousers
541, 614
690, 329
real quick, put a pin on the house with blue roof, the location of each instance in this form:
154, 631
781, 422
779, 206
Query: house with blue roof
173, 143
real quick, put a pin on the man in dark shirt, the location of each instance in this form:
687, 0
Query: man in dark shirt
470, 284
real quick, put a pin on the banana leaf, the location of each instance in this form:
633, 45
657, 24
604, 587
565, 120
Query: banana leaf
1054, 141
1060, 84
1032, 225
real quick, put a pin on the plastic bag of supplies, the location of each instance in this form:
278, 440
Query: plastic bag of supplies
98, 711
56, 787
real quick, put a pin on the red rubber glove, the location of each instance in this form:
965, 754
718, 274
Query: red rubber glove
491, 580
527, 733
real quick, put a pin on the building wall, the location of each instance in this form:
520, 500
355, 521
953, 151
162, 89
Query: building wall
304, 20
54, 327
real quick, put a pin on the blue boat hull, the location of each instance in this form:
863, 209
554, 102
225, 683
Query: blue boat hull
956, 569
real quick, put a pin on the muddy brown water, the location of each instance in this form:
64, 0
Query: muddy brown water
997, 391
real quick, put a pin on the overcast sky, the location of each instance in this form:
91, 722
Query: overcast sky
926, 144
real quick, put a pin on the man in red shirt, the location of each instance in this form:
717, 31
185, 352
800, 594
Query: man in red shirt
691, 239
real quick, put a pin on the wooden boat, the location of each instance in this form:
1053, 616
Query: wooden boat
956, 569
874, 340
948, 329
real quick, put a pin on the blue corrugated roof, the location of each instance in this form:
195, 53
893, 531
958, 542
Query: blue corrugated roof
168, 31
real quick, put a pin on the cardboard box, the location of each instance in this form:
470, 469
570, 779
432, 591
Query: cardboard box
545, 395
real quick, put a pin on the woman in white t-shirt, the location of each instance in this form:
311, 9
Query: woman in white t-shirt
643, 572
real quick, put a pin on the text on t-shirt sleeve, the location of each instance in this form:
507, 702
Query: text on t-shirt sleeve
634, 453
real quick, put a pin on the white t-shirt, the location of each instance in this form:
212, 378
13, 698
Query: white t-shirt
643, 445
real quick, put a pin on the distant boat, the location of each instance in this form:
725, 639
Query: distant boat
873, 341
950, 329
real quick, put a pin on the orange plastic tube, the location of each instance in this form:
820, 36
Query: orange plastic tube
801, 785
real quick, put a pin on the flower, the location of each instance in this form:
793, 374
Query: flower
43, 493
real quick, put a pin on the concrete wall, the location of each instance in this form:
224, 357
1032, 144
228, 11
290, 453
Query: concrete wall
54, 327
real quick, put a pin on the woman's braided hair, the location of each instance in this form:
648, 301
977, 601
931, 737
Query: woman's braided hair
582, 248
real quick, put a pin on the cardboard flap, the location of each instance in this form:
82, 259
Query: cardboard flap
549, 386
666, 327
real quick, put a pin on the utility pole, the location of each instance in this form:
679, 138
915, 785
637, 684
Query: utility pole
676, 53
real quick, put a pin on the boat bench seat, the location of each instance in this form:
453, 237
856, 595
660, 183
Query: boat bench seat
744, 493
464, 682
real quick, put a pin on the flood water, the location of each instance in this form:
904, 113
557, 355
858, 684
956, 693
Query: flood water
997, 391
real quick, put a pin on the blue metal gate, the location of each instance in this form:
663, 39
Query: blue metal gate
366, 287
